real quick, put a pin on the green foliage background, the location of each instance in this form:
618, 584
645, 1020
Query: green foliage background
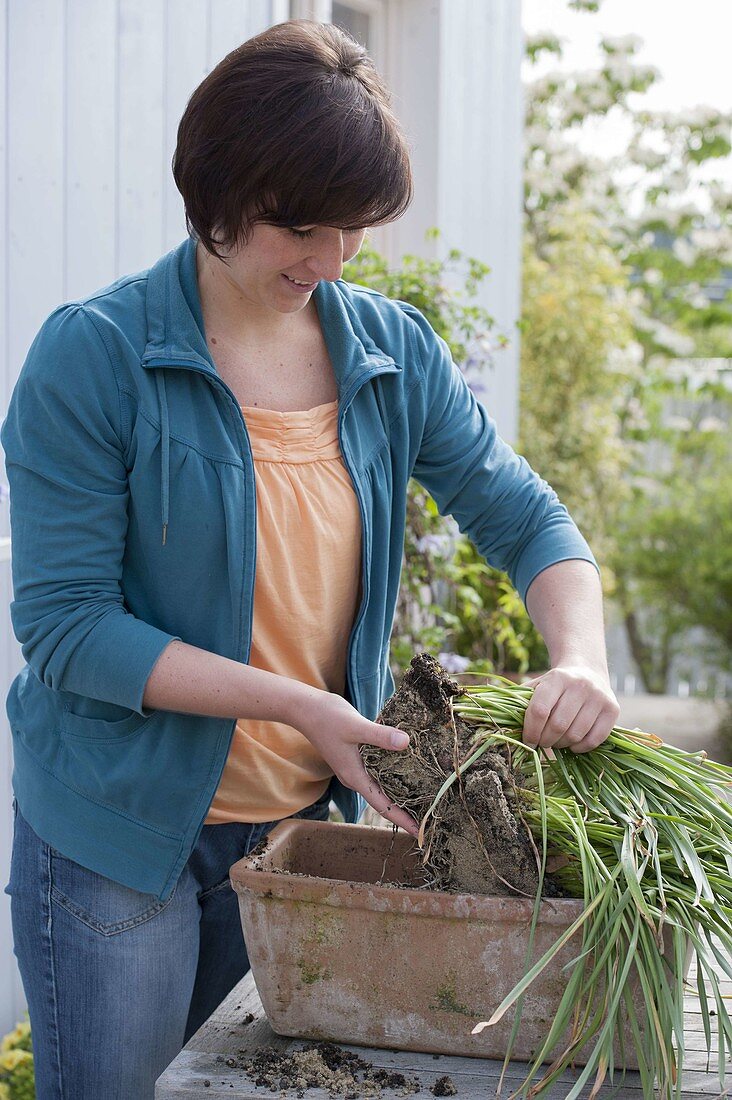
627, 277
626, 259
450, 601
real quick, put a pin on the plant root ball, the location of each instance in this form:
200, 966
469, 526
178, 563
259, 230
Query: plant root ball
475, 840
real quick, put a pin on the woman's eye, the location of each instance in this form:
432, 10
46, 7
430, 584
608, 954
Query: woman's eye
302, 233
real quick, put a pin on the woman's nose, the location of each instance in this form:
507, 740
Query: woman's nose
326, 261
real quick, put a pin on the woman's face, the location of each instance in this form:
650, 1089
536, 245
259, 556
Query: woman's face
279, 268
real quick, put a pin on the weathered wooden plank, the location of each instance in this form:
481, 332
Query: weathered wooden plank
225, 1031
226, 1035
188, 1074
471, 1076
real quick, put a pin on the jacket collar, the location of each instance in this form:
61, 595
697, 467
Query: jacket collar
176, 340
176, 331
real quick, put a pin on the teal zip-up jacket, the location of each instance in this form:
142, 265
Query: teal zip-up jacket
133, 520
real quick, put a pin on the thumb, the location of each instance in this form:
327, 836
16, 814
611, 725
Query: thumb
387, 737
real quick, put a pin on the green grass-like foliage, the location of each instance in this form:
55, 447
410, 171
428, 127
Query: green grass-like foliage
645, 835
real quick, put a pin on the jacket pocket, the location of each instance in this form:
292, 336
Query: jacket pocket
93, 720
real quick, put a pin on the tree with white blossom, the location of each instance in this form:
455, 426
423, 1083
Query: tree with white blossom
654, 227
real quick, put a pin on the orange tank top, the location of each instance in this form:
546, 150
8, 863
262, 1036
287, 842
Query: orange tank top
305, 598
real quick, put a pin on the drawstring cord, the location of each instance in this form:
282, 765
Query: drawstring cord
164, 451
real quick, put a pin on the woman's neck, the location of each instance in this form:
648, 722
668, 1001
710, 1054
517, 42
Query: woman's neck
229, 314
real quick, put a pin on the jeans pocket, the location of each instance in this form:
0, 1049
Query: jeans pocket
101, 903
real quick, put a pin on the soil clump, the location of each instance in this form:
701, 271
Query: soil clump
323, 1066
476, 841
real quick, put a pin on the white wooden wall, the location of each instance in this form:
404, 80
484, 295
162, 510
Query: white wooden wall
457, 86
91, 92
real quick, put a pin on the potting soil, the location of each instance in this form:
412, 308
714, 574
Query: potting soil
476, 841
324, 1066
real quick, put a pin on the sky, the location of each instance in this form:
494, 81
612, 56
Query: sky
690, 44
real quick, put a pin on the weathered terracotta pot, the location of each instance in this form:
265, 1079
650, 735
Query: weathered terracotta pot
337, 956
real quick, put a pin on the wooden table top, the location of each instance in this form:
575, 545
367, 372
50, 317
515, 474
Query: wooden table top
226, 1035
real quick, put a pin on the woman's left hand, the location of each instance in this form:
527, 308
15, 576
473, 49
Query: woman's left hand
572, 707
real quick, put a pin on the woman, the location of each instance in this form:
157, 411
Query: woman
208, 466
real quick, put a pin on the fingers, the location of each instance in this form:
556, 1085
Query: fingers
384, 737
355, 776
589, 734
570, 709
578, 729
387, 737
594, 736
540, 725
376, 798
337, 731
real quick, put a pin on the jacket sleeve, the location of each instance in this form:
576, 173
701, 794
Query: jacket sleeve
68, 510
514, 517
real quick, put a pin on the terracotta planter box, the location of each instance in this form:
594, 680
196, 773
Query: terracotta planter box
337, 956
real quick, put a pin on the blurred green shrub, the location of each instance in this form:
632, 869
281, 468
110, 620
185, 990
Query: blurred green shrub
451, 603
16, 1064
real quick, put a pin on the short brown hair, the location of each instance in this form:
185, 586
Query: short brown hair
294, 127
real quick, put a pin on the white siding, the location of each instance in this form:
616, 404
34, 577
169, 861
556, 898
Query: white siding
462, 109
5, 375
141, 78
11, 997
91, 146
187, 60
36, 152
311, 9
91, 92
480, 171
233, 21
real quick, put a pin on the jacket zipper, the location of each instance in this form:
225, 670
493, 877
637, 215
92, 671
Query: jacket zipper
215, 380
199, 367
343, 408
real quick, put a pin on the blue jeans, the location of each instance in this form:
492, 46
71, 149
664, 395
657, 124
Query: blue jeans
116, 981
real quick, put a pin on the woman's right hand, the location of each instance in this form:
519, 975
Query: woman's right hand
336, 729
195, 681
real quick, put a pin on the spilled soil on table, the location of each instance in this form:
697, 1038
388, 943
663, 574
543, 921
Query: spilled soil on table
325, 1066
330, 1068
475, 841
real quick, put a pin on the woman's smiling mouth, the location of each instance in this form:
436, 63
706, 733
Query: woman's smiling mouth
299, 285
